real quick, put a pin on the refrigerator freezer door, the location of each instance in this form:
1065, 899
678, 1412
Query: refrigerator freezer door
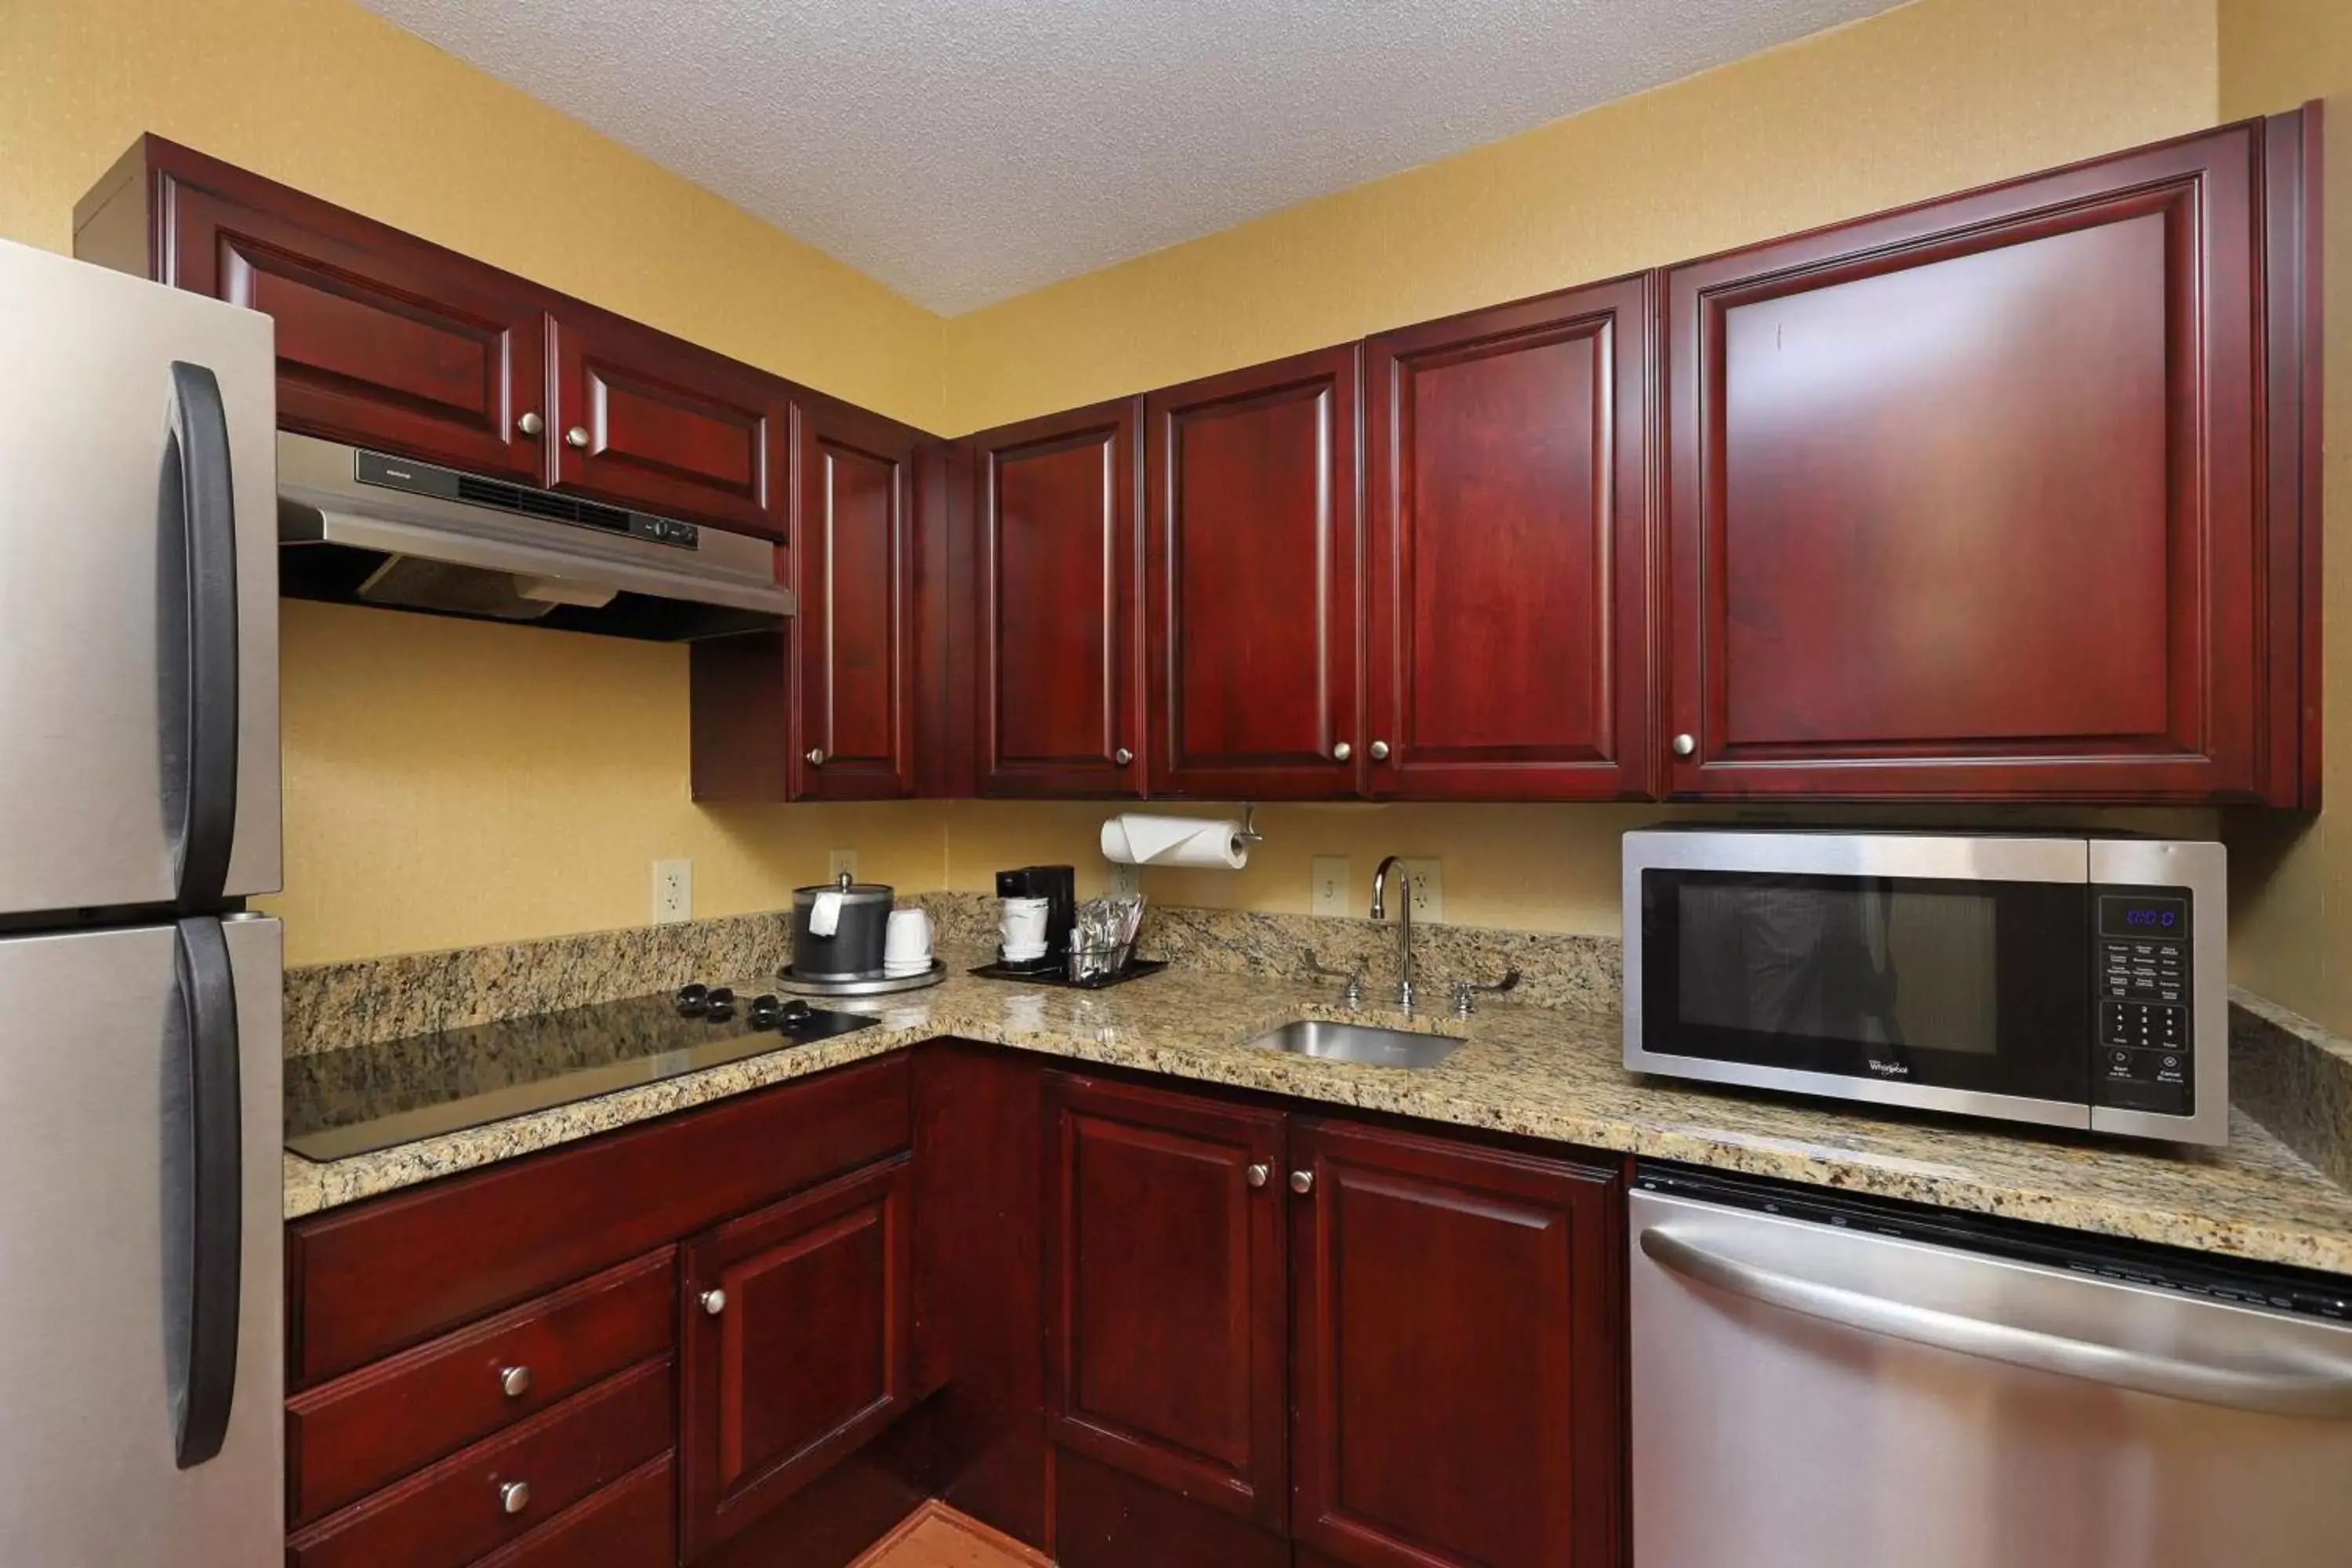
137, 593
100, 1151
1808, 1396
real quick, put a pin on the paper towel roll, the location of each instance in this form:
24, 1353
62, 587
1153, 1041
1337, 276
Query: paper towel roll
1136, 839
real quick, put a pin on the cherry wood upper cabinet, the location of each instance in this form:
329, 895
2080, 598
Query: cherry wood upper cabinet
1970, 501
666, 425
1506, 471
798, 1333
853, 554
1164, 1289
1251, 547
384, 339
1058, 618
1455, 1360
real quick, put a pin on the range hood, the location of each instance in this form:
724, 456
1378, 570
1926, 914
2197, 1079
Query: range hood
365, 527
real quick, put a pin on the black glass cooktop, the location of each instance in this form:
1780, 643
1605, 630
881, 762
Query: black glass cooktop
345, 1102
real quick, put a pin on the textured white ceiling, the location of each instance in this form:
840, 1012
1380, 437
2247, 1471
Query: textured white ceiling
963, 151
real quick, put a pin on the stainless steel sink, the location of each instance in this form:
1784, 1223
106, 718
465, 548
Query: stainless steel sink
1367, 1043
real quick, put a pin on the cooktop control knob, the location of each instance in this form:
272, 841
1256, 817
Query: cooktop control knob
795, 1013
765, 1011
718, 1004
692, 999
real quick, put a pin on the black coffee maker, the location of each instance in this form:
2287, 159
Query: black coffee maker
1058, 886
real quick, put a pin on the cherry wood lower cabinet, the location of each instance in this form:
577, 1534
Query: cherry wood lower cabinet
1400, 1350
493, 1363
1456, 1379
1165, 1281
798, 1335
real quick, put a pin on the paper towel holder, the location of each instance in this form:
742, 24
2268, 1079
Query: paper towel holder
1249, 832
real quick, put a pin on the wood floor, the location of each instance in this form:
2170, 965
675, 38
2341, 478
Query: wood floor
937, 1536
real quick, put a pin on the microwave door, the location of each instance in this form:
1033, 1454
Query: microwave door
141, 1263
137, 595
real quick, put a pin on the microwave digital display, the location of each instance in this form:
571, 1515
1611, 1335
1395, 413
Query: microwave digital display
2138, 916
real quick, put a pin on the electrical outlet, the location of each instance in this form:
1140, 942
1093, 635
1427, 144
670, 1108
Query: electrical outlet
673, 891
1125, 880
1427, 881
841, 860
1334, 890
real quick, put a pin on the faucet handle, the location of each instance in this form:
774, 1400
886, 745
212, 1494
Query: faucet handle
1353, 981
1465, 991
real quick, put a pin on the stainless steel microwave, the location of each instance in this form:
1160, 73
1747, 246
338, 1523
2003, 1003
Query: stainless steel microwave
2069, 982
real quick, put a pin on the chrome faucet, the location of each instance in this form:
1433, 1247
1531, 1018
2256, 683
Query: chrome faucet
1404, 924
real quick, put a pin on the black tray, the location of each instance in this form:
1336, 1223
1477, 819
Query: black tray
1136, 968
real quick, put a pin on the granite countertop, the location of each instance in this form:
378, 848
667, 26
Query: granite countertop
1540, 1072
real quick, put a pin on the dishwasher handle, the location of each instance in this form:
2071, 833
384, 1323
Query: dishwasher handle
2320, 1393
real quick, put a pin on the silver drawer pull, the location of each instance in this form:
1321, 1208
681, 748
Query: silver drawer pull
514, 1497
514, 1381
714, 1301
576, 437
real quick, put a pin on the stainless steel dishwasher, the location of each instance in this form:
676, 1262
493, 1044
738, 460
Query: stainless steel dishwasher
1821, 1382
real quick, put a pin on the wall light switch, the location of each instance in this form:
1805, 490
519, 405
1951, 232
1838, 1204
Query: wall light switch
1427, 881
841, 860
1335, 892
673, 891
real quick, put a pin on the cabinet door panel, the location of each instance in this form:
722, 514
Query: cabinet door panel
666, 427
1058, 610
855, 565
1165, 1277
1963, 498
809, 1355
1455, 1360
1252, 613
1508, 471
382, 340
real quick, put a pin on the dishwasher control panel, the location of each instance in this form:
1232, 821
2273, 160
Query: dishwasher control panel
2140, 986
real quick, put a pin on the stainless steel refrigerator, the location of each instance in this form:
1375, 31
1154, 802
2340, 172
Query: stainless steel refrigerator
141, 1183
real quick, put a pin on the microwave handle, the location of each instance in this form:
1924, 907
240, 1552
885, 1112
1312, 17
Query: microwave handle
2321, 1392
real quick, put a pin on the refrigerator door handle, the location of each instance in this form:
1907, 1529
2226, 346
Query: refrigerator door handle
207, 988
200, 524
2316, 1391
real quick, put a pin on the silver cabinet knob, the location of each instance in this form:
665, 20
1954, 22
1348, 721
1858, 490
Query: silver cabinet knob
1302, 1182
530, 423
1342, 751
1380, 751
514, 1497
576, 436
714, 1301
514, 1381
1686, 744
1122, 756
817, 756
1256, 1174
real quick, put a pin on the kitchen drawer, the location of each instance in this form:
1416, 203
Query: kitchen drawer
366, 1281
633, 1523
366, 1430
455, 1512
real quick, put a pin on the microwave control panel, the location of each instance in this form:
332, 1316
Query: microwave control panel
2140, 987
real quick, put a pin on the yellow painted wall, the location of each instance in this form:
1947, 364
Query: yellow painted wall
1918, 102
2290, 905
447, 784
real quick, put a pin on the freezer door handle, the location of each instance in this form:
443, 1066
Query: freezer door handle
199, 529
2316, 1390
217, 1162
